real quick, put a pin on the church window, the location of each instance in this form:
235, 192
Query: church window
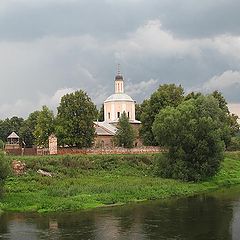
118, 114
128, 114
109, 115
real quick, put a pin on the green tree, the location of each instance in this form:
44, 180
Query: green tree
138, 111
28, 128
165, 95
7, 126
221, 101
232, 118
75, 117
44, 127
193, 95
1, 145
195, 133
125, 134
100, 117
4, 170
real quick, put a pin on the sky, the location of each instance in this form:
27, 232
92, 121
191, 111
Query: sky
52, 47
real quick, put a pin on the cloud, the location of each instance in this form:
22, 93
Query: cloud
50, 45
152, 39
23, 108
142, 88
228, 79
234, 108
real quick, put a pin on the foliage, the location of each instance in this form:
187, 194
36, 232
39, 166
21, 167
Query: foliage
125, 134
111, 179
100, 117
234, 144
28, 128
75, 117
195, 133
232, 118
4, 167
192, 95
7, 126
1, 145
165, 95
44, 127
138, 111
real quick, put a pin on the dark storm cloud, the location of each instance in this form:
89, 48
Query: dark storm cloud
51, 47
23, 20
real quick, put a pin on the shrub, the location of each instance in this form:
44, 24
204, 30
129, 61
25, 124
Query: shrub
194, 133
4, 167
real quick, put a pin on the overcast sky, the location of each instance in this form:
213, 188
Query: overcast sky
51, 47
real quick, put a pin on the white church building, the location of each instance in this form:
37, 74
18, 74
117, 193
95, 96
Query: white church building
114, 106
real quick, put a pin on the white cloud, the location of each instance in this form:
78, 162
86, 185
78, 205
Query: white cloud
32, 70
152, 39
234, 108
23, 107
143, 87
229, 79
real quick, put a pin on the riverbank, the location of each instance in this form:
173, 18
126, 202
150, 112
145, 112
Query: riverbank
84, 182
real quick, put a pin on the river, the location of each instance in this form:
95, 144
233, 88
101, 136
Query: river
209, 216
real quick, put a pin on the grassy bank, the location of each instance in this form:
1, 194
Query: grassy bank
82, 182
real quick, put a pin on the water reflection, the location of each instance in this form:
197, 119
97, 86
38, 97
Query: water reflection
210, 216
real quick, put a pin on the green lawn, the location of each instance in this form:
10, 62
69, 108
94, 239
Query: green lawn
82, 182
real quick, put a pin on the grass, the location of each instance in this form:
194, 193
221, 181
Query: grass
83, 182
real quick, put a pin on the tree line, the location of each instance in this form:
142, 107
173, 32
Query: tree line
195, 128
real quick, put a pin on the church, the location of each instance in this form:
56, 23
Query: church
114, 106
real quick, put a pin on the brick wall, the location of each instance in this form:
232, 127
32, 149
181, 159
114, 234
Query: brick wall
140, 150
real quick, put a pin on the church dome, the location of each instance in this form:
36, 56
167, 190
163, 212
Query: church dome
119, 97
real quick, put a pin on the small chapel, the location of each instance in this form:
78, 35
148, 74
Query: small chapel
114, 106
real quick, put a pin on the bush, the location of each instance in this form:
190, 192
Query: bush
195, 133
234, 144
1, 144
4, 167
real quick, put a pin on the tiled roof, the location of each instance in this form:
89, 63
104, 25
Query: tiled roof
104, 128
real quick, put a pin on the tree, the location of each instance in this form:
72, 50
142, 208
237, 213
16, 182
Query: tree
125, 134
1, 145
165, 95
44, 127
100, 117
28, 128
232, 118
75, 126
221, 101
138, 110
195, 133
9, 125
4, 170
193, 95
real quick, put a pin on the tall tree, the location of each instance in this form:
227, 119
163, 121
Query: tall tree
75, 117
195, 133
165, 95
232, 118
44, 127
125, 134
4, 170
9, 125
101, 113
28, 128
138, 110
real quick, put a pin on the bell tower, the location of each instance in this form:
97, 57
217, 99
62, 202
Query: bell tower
119, 83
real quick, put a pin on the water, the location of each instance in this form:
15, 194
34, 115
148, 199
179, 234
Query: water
210, 216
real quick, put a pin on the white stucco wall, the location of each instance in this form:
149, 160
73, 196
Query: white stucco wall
119, 106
